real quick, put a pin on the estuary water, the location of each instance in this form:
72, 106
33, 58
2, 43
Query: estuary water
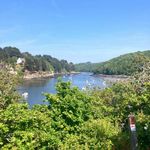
37, 87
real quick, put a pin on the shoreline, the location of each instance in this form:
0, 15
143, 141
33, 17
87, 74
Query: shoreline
113, 78
107, 78
37, 75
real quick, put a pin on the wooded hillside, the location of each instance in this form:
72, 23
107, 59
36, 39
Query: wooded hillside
10, 55
127, 64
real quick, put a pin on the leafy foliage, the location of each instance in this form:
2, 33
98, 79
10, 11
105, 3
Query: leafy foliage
8, 93
23, 128
69, 107
74, 119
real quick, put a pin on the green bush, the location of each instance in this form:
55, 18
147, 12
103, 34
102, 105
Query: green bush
95, 119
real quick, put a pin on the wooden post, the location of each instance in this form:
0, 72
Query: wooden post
134, 144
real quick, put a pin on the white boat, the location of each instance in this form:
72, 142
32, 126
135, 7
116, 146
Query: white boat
25, 95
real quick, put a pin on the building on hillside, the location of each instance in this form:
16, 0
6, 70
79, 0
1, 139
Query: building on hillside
20, 61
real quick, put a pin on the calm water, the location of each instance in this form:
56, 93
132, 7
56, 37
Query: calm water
36, 87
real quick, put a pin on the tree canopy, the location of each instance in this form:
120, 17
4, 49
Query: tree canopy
127, 64
10, 55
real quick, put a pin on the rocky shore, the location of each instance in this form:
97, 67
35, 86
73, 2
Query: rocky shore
113, 78
34, 75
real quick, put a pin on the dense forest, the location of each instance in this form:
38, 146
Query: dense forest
127, 64
34, 63
75, 119
86, 67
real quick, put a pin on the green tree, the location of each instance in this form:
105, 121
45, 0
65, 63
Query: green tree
69, 108
8, 93
24, 128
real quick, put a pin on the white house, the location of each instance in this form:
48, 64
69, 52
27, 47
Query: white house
20, 61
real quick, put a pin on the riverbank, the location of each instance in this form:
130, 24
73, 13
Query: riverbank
113, 78
34, 75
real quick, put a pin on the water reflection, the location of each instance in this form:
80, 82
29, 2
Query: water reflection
35, 82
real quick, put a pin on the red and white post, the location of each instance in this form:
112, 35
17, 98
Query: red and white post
132, 123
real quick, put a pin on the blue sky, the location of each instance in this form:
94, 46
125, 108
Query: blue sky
76, 30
